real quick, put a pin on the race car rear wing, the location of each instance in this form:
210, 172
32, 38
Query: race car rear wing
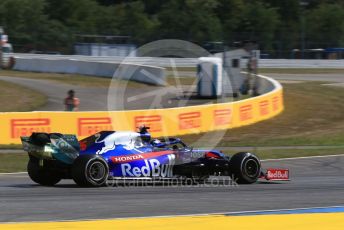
49, 146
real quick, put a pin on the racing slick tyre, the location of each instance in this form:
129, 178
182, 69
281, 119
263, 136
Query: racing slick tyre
42, 175
245, 167
90, 171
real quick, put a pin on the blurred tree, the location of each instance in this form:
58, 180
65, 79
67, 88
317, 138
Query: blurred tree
230, 13
26, 23
133, 21
325, 25
259, 21
275, 24
78, 15
190, 19
287, 35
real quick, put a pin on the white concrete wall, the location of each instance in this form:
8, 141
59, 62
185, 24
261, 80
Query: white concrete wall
192, 62
141, 73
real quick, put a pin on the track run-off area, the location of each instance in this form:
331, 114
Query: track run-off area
315, 182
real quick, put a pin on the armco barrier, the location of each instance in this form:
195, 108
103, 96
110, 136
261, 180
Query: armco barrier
142, 73
173, 121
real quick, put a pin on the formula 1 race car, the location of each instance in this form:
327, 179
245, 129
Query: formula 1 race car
124, 154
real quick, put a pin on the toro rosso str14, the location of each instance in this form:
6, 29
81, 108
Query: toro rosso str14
117, 154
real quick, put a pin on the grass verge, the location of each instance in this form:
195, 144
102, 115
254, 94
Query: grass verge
313, 116
13, 162
25, 99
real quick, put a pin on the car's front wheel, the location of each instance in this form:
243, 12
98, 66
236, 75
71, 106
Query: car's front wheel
90, 171
245, 167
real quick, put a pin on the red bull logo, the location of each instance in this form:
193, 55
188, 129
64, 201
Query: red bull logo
277, 174
151, 167
25, 127
89, 126
189, 120
154, 122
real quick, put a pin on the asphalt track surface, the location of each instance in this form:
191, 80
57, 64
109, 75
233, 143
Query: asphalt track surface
315, 182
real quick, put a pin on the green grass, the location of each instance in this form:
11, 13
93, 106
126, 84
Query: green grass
172, 81
283, 153
186, 69
11, 146
314, 115
13, 162
25, 99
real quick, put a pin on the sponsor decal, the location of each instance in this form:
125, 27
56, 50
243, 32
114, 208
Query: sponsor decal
151, 167
277, 174
154, 122
89, 126
134, 157
246, 112
275, 103
25, 127
264, 107
196, 154
222, 117
108, 141
123, 159
189, 120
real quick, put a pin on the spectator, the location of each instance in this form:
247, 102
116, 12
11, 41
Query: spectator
71, 102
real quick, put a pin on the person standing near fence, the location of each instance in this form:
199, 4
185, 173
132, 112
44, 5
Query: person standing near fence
71, 102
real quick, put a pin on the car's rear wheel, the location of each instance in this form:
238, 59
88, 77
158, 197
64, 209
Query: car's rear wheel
41, 174
245, 168
90, 171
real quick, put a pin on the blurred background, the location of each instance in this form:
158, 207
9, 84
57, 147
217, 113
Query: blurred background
312, 29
